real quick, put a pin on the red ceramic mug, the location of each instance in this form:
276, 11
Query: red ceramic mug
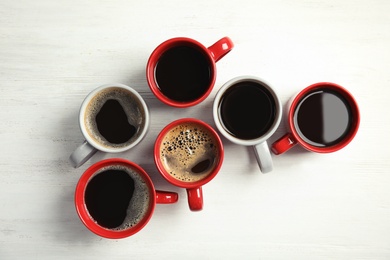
322, 118
115, 198
181, 72
189, 153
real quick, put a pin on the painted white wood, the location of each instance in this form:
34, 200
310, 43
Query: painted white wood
312, 206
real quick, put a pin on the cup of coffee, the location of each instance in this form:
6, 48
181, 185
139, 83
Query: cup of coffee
115, 198
181, 72
247, 111
189, 153
322, 118
113, 118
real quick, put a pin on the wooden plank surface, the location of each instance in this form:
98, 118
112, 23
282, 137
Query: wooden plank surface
312, 206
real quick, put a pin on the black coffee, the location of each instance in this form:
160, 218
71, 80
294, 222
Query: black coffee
117, 198
107, 197
183, 73
323, 118
113, 124
247, 110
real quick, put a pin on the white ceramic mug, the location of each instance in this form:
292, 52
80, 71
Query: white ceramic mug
113, 118
247, 111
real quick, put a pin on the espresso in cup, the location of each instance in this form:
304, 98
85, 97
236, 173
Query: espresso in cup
323, 117
247, 110
117, 197
114, 118
189, 152
183, 73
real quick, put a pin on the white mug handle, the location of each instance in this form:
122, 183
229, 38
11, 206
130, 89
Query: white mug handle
263, 156
82, 154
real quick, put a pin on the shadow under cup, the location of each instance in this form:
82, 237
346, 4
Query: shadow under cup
189, 153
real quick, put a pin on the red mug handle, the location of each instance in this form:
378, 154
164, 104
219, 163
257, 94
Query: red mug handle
283, 144
195, 198
221, 48
166, 197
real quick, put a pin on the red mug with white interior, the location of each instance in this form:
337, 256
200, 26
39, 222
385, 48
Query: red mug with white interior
115, 198
181, 72
322, 118
189, 153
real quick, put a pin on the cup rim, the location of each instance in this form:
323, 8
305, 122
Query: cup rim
83, 212
354, 109
82, 111
163, 171
155, 56
217, 119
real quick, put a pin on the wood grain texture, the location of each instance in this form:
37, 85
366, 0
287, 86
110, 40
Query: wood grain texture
334, 206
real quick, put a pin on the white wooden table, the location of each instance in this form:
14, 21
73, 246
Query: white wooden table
312, 206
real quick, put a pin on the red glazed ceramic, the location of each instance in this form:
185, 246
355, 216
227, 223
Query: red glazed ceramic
342, 117
211, 54
181, 150
153, 198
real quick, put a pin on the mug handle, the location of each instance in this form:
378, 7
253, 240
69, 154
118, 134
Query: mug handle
263, 157
195, 198
82, 154
166, 197
284, 144
221, 48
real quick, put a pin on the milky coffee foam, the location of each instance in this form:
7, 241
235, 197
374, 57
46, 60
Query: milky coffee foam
189, 152
130, 104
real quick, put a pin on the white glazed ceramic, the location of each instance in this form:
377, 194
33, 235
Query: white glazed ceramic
259, 144
89, 147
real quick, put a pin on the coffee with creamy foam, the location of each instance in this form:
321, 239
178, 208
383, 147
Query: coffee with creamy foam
114, 118
189, 152
117, 197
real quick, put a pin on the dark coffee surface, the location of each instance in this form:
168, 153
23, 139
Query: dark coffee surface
247, 110
113, 124
107, 197
183, 73
322, 118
